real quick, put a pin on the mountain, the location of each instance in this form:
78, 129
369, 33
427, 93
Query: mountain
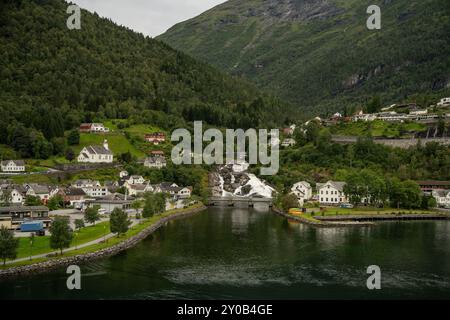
319, 54
53, 78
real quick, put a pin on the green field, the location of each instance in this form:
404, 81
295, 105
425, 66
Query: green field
118, 143
94, 233
41, 245
331, 211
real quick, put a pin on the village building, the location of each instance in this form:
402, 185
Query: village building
93, 189
442, 198
361, 116
11, 194
331, 193
93, 128
156, 162
135, 179
111, 202
303, 191
428, 186
290, 142
96, 154
155, 138
13, 166
157, 153
444, 102
138, 190
288, 131
74, 197
175, 191
12, 217
43, 192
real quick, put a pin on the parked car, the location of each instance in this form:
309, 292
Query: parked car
347, 206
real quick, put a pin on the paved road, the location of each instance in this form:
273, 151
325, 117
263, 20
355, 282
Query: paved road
87, 244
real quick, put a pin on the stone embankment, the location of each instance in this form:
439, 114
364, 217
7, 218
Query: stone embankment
110, 251
322, 224
361, 220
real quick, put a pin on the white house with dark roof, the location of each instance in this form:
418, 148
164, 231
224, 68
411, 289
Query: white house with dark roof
303, 191
12, 194
13, 166
442, 197
156, 162
96, 154
331, 193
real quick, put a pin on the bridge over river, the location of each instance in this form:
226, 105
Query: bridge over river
241, 202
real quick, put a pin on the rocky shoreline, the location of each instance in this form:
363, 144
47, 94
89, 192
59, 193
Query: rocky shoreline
359, 220
322, 224
110, 251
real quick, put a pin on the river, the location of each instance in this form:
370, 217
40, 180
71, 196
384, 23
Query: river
226, 253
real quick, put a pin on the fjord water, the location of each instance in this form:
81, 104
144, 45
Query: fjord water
226, 253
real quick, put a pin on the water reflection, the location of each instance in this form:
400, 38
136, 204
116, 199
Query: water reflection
240, 253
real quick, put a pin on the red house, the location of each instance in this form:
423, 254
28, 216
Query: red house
155, 138
85, 127
157, 153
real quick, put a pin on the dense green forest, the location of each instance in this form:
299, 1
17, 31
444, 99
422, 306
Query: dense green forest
52, 79
320, 56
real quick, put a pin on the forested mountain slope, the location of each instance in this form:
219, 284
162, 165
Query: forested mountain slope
320, 55
53, 78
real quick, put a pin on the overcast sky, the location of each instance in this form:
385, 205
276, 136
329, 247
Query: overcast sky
151, 17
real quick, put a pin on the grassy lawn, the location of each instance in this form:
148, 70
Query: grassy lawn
118, 143
363, 211
98, 174
41, 245
97, 232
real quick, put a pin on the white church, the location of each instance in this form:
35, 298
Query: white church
96, 154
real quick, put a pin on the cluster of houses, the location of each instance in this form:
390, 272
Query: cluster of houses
93, 128
81, 194
330, 193
411, 112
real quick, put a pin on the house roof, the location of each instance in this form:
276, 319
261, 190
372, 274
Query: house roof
16, 162
305, 183
98, 150
166, 184
156, 160
441, 193
74, 192
338, 185
139, 187
22, 209
40, 189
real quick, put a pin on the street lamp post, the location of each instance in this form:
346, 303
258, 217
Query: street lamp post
31, 244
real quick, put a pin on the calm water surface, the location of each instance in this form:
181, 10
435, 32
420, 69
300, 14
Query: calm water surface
250, 254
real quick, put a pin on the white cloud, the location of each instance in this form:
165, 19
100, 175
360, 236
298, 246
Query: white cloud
151, 17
